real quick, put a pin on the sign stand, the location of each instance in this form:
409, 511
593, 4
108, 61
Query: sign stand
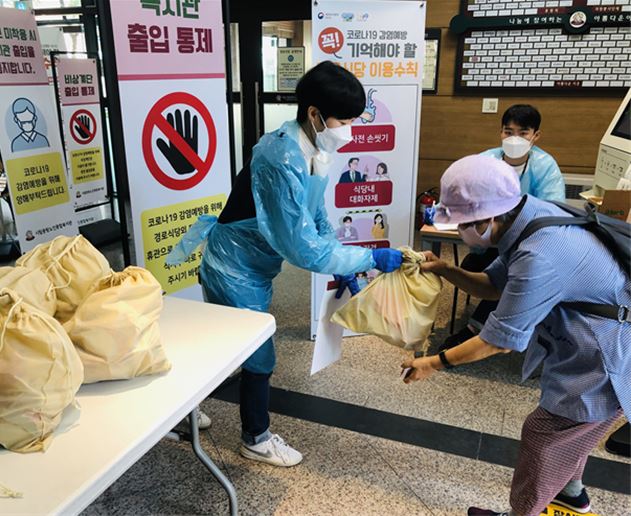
115, 124
107, 230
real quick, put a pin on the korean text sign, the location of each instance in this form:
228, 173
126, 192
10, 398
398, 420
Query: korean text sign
171, 76
29, 135
83, 129
371, 194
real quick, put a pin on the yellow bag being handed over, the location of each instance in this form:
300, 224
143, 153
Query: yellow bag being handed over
40, 373
32, 285
72, 264
116, 328
400, 307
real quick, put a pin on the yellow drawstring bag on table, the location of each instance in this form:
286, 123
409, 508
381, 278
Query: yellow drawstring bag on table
40, 373
32, 285
72, 264
399, 307
116, 330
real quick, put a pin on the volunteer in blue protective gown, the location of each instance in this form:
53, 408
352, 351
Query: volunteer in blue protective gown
276, 212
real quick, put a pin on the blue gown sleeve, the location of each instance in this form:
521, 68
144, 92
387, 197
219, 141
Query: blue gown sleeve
287, 225
325, 228
191, 240
550, 185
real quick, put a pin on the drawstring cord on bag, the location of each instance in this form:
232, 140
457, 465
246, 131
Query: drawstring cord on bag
55, 260
48, 379
6, 492
9, 315
16, 303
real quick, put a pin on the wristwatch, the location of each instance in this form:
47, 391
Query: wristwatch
444, 360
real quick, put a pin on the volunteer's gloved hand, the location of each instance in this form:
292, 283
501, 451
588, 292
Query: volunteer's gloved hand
346, 281
388, 260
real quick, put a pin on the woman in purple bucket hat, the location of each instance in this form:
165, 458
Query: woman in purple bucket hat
586, 375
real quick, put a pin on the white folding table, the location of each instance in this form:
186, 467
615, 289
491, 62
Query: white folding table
119, 421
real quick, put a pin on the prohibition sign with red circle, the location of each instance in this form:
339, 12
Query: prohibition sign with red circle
155, 119
74, 122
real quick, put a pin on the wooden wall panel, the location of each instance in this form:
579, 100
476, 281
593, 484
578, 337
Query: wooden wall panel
440, 12
452, 127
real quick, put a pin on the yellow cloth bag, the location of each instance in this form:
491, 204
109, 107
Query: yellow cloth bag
40, 373
32, 285
400, 307
72, 264
116, 328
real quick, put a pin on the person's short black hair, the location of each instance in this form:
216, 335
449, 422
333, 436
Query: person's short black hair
335, 91
524, 115
382, 165
347, 219
353, 159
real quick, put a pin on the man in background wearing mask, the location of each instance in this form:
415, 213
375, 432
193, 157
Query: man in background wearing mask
276, 212
539, 176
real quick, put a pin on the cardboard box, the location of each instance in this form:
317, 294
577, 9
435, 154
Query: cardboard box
617, 204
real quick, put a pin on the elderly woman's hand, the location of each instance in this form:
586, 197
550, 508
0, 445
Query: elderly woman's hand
433, 264
421, 369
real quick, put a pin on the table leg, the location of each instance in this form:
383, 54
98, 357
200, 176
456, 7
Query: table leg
454, 305
212, 467
430, 245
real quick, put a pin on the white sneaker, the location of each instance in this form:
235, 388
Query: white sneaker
274, 451
203, 421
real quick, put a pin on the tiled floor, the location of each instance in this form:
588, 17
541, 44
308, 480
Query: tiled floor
343, 473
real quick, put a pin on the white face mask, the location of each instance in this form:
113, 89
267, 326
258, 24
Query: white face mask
332, 138
472, 238
515, 146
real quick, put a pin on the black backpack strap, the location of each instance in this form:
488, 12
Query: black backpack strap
620, 313
544, 222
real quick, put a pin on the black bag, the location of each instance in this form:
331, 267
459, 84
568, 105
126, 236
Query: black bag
613, 233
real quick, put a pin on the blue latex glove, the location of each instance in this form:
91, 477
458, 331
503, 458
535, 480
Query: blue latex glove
387, 260
344, 281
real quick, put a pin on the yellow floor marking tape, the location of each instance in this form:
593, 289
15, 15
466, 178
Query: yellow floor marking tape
556, 510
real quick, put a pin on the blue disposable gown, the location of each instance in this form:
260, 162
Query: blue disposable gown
542, 178
240, 259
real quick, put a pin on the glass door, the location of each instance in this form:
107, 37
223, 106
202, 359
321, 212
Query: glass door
271, 48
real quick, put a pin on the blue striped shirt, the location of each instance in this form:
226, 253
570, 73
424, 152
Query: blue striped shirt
586, 359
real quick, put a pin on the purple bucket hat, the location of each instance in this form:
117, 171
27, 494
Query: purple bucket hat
477, 188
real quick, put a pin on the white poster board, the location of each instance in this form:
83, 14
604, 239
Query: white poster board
77, 81
172, 83
372, 180
29, 135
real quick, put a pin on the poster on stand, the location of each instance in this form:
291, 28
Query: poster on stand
30, 143
80, 106
172, 84
371, 193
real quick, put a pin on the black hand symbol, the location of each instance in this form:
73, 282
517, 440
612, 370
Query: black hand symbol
188, 131
83, 127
